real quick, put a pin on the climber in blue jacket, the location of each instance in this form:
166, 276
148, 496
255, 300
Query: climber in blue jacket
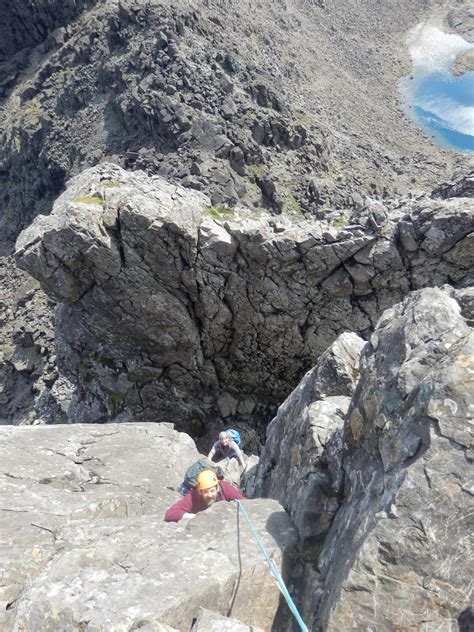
225, 447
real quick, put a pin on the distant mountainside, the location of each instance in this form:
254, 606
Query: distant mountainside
288, 105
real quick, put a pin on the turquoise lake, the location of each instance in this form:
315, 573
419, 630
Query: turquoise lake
436, 100
451, 100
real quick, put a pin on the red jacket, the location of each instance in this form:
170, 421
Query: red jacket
192, 503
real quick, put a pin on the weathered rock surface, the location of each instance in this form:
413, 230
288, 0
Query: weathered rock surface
174, 310
300, 462
398, 553
461, 20
208, 621
84, 544
27, 356
191, 91
30, 22
177, 311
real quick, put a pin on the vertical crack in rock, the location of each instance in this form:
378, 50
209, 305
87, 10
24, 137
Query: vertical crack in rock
119, 239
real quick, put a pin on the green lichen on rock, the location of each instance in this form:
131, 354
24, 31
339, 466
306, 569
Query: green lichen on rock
302, 119
81, 367
218, 212
110, 184
340, 222
256, 171
88, 199
33, 111
116, 398
293, 208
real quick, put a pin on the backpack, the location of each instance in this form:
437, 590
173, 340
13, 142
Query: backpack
234, 435
193, 471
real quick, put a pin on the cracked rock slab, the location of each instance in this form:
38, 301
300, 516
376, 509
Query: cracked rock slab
84, 543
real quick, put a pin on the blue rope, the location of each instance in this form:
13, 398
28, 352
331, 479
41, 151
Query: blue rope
273, 570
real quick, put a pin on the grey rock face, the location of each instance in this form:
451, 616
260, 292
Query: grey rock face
300, 463
174, 310
398, 553
155, 324
460, 185
27, 24
208, 621
27, 356
84, 544
73, 90
190, 90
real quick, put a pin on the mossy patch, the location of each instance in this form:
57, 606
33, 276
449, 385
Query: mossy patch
110, 184
33, 111
88, 200
340, 222
256, 171
257, 212
81, 367
219, 212
116, 398
292, 207
302, 120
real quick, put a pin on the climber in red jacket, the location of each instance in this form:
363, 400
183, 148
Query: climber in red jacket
208, 491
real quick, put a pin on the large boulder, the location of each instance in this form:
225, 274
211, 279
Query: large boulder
84, 544
174, 310
398, 555
300, 462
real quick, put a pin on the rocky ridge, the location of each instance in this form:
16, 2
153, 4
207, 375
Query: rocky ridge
369, 456
193, 91
274, 197
382, 496
174, 310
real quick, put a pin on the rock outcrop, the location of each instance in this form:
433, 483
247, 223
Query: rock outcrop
300, 464
396, 552
403, 532
227, 212
27, 357
176, 310
30, 23
84, 544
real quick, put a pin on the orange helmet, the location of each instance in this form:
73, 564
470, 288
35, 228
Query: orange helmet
206, 479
